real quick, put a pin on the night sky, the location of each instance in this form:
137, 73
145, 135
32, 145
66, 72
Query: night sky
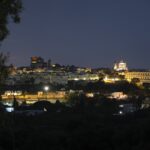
91, 33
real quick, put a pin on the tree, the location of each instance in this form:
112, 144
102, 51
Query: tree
135, 81
15, 103
3, 71
3, 68
9, 11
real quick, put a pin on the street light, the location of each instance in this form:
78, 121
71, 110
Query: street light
46, 88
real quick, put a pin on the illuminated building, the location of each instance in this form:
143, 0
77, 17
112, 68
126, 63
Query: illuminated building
89, 95
120, 66
51, 96
84, 77
143, 77
118, 96
37, 62
110, 80
13, 93
83, 70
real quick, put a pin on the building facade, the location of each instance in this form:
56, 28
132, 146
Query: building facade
120, 66
143, 77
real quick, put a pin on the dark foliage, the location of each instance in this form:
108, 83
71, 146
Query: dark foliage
75, 131
9, 11
100, 86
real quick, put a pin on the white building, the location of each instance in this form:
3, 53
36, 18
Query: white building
120, 66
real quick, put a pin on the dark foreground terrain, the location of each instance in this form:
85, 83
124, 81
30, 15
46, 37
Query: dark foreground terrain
75, 131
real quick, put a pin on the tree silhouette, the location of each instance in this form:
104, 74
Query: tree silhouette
3, 69
9, 10
15, 103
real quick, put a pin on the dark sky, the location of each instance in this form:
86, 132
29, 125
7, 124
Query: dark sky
91, 33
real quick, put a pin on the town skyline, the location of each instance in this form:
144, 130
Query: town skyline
82, 33
53, 62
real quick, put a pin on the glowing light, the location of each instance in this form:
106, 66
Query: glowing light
46, 88
120, 112
76, 79
110, 80
121, 106
89, 94
9, 109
